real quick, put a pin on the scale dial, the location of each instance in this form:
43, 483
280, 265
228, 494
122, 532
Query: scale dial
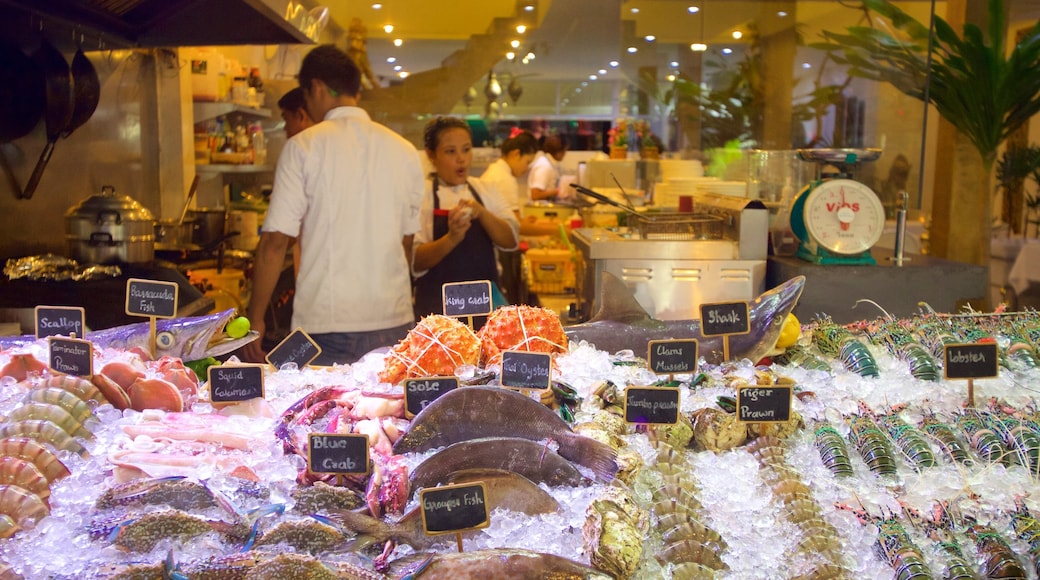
844, 216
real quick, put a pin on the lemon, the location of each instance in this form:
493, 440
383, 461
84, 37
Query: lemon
790, 332
239, 327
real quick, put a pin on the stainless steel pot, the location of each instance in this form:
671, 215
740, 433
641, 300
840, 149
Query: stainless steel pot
173, 234
107, 228
210, 225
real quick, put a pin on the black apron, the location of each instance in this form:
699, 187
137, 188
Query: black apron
472, 259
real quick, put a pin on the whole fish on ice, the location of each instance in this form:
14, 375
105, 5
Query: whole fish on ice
621, 323
190, 338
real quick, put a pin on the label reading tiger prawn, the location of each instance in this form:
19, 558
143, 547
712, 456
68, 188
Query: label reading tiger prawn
672, 356
770, 404
970, 361
339, 454
454, 508
151, 298
59, 321
725, 318
526, 370
652, 405
418, 393
297, 348
467, 298
235, 383
71, 356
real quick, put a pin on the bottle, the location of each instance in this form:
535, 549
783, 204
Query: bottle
780, 234
259, 144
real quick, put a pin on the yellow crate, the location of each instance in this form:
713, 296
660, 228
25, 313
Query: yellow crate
549, 271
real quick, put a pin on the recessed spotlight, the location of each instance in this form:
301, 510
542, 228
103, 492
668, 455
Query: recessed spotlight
577, 90
593, 77
529, 56
632, 50
388, 28
674, 64
391, 59
529, 8
398, 68
737, 35
693, 9
584, 83
698, 47
650, 37
602, 71
727, 51
635, 11
520, 29
403, 74
377, 6
781, 14
398, 42
514, 43
614, 64
510, 55
671, 78
806, 65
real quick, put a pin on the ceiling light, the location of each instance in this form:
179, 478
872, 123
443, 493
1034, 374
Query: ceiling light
781, 14
510, 55
514, 43
806, 65
520, 29
632, 50
650, 38
525, 60
614, 64
530, 56
388, 28
602, 71
737, 35
398, 42
635, 11
391, 59
529, 8
693, 9
584, 83
698, 47
403, 74
398, 68
671, 78
376, 6
577, 90
674, 64
727, 51
593, 77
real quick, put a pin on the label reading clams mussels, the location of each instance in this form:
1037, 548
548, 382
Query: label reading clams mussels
339, 454
467, 298
454, 508
672, 356
297, 348
151, 298
71, 356
526, 370
652, 405
235, 383
59, 321
970, 361
418, 393
770, 404
725, 318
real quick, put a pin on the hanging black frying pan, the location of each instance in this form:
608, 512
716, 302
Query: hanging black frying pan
58, 81
22, 93
86, 90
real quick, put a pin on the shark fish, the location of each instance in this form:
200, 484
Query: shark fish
621, 323
191, 338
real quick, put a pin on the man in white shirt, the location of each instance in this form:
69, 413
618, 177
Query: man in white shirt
350, 189
543, 179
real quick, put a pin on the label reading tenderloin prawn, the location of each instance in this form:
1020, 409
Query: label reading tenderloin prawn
339, 454
526, 370
71, 356
770, 404
235, 383
467, 298
970, 361
652, 405
454, 508
418, 393
297, 348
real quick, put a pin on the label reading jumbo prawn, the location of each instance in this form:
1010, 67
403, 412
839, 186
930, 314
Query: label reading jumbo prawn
151, 298
970, 361
71, 356
467, 298
526, 370
297, 348
449, 509
338, 454
59, 321
235, 383
672, 356
418, 393
770, 404
652, 405
725, 318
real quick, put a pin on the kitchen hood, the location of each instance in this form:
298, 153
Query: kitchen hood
159, 23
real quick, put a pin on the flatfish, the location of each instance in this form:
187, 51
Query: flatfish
532, 460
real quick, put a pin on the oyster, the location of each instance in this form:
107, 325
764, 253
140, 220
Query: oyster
614, 532
630, 464
717, 430
677, 435
595, 431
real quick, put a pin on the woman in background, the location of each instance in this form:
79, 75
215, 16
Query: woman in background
544, 179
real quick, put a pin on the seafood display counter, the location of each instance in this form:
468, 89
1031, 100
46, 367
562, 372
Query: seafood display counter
883, 468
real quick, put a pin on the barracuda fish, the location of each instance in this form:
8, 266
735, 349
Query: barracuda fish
191, 338
621, 323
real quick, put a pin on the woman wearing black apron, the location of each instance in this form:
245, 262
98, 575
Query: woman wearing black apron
462, 219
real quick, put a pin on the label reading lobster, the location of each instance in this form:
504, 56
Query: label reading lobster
970, 361
770, 404
297, 348
151, 298
71, 356
672, 356
725, 318
338, 454
418, 393
235, 383
450, 509
652, 405
467, 298
59, 321
526, 370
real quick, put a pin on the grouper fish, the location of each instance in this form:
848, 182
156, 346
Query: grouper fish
622, 323
190, 338
530, 459
476, 412
500, 564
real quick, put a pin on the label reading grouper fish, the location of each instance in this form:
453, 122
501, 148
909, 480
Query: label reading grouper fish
338, 454
449, 509
235, 383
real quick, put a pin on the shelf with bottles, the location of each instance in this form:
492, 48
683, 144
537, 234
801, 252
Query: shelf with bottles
231, 168
205, 111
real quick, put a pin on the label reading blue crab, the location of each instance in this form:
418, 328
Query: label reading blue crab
770, 404
297, 348
970, 361
526, 370
418, 393
467, 298
71, 356
652, 405
235, 383
450, 509
725, 318
668, 357
338, 454
151, 298
59, 321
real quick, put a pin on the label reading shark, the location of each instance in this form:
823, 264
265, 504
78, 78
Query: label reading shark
621, 323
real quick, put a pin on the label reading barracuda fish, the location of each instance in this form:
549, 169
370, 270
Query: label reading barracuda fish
450, 509
672, 356
418, 393
970, 361
71, 356
652, 405
59, 321
151, 298
297, 348
235, 383
339, 454
770, 404
725, 318
526, 370
467, 298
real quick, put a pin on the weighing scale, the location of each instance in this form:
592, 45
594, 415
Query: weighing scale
837, 220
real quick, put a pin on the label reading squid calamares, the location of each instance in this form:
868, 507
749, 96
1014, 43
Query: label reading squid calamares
652, 405
151, 298
297, 348
449, 509
467, 298
970, 361
725, 318
59, 321
526, 370
418, 393
338, 454
71, 356
672, 356
770, 404
235, 383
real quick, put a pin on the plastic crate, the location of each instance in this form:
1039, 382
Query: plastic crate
549, 271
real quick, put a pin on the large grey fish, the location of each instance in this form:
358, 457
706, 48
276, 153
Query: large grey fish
191, 338
528, 458
500, 564
474, 412
621, 323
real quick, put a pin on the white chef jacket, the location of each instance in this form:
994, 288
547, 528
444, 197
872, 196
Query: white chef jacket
500, 176
350, 189
544, 173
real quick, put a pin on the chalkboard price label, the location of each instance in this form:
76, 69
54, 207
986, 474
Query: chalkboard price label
418, 393
725, 318
467, 298
970, 361
71, 356
59, 321
526, 370
770, 404
297, 348
672, 356
151, 298
235, 383
652, 405
339, 454
450, 509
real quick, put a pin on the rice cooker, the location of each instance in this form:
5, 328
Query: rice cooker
108, 228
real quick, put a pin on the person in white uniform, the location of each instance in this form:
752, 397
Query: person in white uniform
350, 189
543, 180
